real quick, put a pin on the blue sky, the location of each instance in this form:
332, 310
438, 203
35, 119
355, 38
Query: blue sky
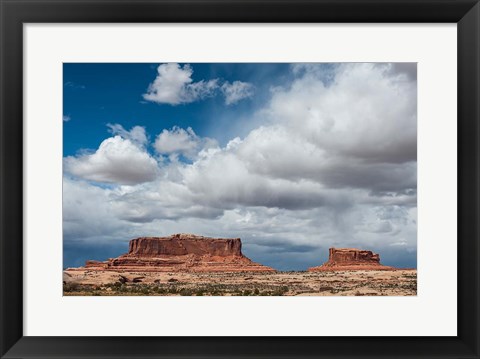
98, 94
292, 158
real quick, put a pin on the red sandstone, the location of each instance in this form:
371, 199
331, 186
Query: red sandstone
351, 259
178, 253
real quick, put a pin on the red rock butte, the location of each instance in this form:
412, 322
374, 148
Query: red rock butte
351, 259
181, 252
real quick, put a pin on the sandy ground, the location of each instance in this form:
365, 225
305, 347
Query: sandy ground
342, 283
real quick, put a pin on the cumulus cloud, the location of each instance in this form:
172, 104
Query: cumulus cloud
136, 135
174, 86
117, 160
364, 113
87, 212
356, 132
237, 91
179, 141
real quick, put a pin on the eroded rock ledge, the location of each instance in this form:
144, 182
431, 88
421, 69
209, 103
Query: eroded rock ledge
351, 259
180, 252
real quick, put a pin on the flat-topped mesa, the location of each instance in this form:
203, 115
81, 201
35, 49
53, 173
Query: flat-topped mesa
183, 244
181, 252
351, 259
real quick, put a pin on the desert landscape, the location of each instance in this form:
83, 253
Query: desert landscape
239, 179
191, 265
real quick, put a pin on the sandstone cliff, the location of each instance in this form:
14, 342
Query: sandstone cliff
183, 244
351, 259
181, 252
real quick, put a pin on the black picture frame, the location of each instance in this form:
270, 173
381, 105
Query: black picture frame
14, 13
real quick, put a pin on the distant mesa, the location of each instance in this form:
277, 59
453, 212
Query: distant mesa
180, 252
351, 259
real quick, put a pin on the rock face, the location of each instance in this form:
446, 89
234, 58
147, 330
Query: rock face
351, 259
184, 244
181, 252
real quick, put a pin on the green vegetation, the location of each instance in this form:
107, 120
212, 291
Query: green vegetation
172, 288
250, 284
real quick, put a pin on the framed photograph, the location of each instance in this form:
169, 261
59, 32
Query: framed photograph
239, 179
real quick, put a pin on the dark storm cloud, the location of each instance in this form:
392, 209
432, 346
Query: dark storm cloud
407, 68
373, 177
281, 246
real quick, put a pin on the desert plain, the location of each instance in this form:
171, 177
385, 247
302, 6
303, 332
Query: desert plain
328, 283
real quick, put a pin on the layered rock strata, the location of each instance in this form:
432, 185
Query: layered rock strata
351, 259
181, 252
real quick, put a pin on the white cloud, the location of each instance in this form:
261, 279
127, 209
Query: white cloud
365, 113
66, 118
178, 141
273, 236
136, 135
87, 212
117, 160
174, 85
237, 91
